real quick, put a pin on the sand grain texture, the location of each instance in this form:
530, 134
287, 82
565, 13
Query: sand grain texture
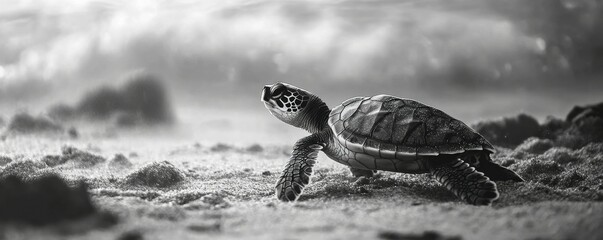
228, 194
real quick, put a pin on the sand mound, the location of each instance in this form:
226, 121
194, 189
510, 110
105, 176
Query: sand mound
5, 160
22, 169
563, 173
120, 161
533, 169
42, 201
195, 200
73, 157
509, 131
560, 155
24, 123
157, 174
210, 201
535, 145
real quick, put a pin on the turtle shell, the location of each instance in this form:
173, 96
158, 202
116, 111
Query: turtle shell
388, 127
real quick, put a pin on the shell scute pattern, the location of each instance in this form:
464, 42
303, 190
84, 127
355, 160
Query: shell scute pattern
355, 163
349, 110
351, 100
387, 150
427, 151
387, 126
335, 111
367, 160
386, 164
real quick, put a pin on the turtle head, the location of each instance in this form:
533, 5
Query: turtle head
295, 106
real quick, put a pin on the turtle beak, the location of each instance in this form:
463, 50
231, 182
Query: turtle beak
266, 93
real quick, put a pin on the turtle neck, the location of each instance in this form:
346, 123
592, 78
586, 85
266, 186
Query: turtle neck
315, 116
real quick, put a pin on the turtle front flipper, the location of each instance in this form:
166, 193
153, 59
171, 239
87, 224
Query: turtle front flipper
299, 168
467, 183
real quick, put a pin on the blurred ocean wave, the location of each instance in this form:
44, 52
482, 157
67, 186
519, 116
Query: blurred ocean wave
221, 52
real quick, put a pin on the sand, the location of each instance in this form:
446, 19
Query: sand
221, 191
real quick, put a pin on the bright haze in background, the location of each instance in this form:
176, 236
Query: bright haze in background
473, 59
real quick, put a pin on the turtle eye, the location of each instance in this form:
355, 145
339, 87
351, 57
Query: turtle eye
278, 90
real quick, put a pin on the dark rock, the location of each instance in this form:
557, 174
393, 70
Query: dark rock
157, 174
120, 161
586, 126
590, 129
552, 127
147, 98
5, 160
255, 148
535, 145
23, 123
42, 201
143, 100
125, 119
73, 133
131, 235
61, 112
220, 147
266, 173
427, 235
101, 104
509, 131
580, 113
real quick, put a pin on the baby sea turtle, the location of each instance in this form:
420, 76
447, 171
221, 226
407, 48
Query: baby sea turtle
384, 133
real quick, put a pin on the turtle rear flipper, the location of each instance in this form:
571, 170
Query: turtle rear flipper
483, 163
465, 182
497, 172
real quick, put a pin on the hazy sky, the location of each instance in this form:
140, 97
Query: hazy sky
232, 48
219, 40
